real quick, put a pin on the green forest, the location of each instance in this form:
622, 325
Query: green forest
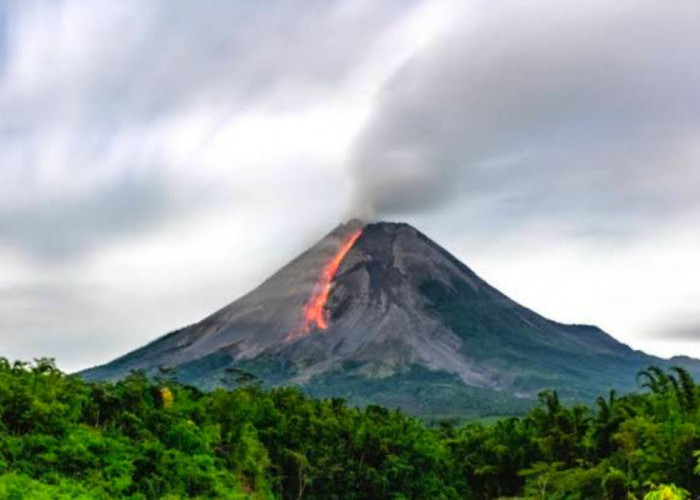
141, 438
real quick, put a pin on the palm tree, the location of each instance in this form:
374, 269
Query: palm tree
646, 379
657, 381
685, 389
606, 407
550, 400
606, 423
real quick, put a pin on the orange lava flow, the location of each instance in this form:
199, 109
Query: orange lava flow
315, 308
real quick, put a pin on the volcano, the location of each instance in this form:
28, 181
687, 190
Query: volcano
379, 313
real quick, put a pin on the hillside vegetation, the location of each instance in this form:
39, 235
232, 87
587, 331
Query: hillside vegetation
61, 437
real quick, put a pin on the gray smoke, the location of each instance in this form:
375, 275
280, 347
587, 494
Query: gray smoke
584, 110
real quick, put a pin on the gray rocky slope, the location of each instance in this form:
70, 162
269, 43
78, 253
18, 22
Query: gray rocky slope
409, 326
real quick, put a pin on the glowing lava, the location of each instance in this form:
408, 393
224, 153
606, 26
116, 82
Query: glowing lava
315, 308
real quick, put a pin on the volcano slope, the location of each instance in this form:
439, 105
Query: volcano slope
379, 313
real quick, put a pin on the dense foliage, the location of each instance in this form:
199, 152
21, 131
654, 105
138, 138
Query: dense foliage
63, 438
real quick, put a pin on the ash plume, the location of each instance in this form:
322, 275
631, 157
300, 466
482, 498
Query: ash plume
575, 109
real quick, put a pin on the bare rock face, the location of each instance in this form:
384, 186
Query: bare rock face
408, 325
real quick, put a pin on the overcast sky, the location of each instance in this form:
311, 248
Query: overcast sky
160, 158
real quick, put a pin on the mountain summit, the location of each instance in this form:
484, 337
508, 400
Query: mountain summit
379, 313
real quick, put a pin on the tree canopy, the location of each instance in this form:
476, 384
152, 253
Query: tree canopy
61, 437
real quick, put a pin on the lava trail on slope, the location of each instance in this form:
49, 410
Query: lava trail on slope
315, 315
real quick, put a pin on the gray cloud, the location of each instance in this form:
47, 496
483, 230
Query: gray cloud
57, 318
152, 59
87, 88
581, 112
687, 332
64, 228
